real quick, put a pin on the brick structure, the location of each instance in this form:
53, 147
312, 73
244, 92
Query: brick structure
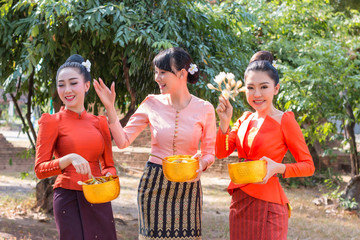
136, 155
12, 158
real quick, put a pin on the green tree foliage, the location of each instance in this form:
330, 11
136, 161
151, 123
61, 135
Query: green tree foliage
120, 39
317, 51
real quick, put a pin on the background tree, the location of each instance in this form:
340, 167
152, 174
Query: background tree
120, 40
317, 51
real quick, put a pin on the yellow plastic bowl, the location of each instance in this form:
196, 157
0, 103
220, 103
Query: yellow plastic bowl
247, 172
102, 192
176, 171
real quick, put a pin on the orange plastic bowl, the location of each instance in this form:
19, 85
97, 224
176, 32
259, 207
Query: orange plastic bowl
102, 192
247, 172
180, 168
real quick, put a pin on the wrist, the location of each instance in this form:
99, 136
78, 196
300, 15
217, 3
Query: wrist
224, 127
282, 168
65, 161
111, 114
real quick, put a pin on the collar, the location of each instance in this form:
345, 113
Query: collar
72, 113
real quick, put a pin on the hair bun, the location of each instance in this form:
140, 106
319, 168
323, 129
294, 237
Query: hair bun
262, 56
75, 58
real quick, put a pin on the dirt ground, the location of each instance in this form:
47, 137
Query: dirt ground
18, 220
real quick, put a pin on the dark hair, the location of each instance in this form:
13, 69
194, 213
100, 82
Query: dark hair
262, 62
262, 55
75, 61
175, 58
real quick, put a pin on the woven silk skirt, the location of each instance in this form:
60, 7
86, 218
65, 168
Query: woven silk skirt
255, 219
168, 210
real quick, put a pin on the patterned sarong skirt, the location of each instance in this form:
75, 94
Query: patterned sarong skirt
168, 210
255, 219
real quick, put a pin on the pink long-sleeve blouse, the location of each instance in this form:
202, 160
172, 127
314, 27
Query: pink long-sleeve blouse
173, 131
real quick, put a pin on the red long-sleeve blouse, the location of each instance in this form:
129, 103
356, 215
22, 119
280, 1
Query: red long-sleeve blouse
69, 132
272, 140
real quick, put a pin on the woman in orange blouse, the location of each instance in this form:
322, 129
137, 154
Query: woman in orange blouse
260, 211
80, 142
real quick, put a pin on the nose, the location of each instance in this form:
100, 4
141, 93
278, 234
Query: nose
157, 78
257, 92
67, 88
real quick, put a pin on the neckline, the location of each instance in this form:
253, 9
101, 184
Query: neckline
72, 113
179, 110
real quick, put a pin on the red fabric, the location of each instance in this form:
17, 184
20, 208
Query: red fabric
68, 132
255, 219
273, 140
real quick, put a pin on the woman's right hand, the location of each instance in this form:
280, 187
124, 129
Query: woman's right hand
80, 164
106, 95
224, 111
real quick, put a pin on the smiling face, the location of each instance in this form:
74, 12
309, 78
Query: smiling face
260, 90
168, 82
71, 88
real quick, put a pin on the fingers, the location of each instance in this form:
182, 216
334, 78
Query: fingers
221, 107
81, 165
112, 88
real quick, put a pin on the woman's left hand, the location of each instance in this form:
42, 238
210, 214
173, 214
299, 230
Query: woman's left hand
202, 166
272, 169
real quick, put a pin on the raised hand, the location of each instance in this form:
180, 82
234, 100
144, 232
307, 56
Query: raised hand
224, 111
106, 95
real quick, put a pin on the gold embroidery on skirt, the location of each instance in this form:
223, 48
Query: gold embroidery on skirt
152, 205
140, 193
168, 207
169, 238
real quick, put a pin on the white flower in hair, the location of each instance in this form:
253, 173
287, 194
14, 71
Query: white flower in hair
274, 64
193, 69
87, 65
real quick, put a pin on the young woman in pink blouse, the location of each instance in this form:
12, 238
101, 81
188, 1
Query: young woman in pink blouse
178, 121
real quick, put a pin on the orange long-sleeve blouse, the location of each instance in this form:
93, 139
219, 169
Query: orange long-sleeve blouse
272, 140
68, 132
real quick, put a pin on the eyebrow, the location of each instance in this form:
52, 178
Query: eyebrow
263, 83
61, 80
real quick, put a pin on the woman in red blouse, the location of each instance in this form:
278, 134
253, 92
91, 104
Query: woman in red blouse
81, 145
260, 211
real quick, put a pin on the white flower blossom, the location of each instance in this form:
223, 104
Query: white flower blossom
230, 76
226, 93
87, 65
238, 84
220, 78
232, 87
210, 86
193, 69
232, 82
275, 65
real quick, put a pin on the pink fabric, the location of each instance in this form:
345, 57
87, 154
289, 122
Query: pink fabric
195, 123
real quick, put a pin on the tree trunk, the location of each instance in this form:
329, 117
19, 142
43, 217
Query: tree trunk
18, 110
314, 156
132, 107
44, 194
352, 192
29, 103
350, 135
44, 189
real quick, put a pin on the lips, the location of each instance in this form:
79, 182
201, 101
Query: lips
70, 98
258, 102
161, 86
